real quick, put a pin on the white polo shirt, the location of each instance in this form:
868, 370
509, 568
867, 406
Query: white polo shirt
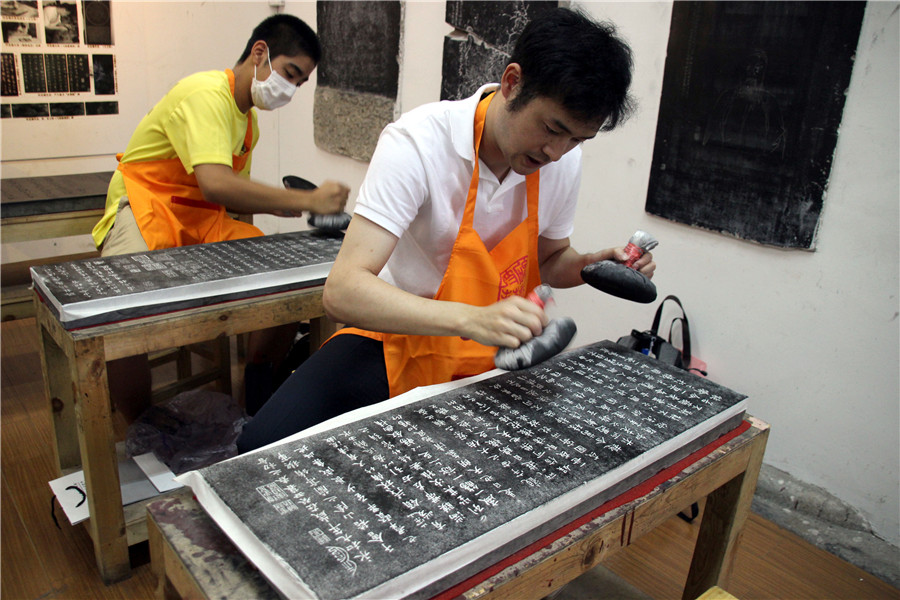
417, 183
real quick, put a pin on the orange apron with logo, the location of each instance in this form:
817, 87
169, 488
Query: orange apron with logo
169, 207
474, 276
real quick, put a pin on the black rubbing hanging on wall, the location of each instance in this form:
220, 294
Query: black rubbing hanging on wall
486, 32
751, 104
357, 76
10, 75
97, 22
360, 44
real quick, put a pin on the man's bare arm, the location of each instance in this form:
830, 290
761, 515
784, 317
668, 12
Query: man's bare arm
354, 294
221, 185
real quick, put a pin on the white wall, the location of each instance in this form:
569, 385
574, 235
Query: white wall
811, 337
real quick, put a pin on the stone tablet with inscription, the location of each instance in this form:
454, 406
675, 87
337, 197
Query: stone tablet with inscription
104, 290
414, 495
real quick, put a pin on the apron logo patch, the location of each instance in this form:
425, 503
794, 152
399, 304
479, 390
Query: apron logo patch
512, 280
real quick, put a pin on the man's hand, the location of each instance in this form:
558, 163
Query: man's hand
223, 186
509, 322
620, 273
329, 198
644, 264
355, 295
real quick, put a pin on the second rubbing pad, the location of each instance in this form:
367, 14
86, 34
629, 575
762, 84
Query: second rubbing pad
327, 223
335, 222
553, 340
618, 280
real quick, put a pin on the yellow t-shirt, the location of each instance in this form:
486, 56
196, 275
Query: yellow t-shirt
197, 122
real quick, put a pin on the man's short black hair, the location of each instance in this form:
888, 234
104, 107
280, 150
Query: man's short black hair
285, 35
578, 62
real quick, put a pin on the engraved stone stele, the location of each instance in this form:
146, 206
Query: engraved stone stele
358, 76
111, 288
349, 123
485, 34
409, 497
468, 64
497, 23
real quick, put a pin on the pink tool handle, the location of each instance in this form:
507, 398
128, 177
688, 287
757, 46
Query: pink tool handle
634, 253
541, 295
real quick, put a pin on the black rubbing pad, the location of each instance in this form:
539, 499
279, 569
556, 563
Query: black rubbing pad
328, 223
555, 337
335, 222
298, 183
618, 280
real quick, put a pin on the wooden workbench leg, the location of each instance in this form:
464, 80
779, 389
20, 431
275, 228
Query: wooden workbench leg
160, 559
61, 400
223, 361
721, 527
183, 369
320, 329
98, 458
157, 560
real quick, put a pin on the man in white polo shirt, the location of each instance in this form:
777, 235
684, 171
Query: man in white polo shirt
466, 207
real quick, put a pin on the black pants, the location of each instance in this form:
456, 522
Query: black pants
346, 373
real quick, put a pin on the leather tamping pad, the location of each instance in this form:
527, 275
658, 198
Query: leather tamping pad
619, 280
335, 222
553, 340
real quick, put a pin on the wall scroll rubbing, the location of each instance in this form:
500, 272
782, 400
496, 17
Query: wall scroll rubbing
358, 75
486, 32
751, 104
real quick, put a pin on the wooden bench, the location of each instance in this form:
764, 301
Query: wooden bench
193, 558
43, 208
75, 382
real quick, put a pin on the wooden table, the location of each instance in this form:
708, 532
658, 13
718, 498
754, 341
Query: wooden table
42, 208
193, 558
75, 381
37, 208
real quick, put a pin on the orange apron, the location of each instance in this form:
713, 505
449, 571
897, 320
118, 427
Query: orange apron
169, 206
474, 276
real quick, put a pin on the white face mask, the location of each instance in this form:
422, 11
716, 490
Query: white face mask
274, 92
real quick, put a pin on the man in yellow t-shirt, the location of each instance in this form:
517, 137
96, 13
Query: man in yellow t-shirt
188, 161
187, 166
